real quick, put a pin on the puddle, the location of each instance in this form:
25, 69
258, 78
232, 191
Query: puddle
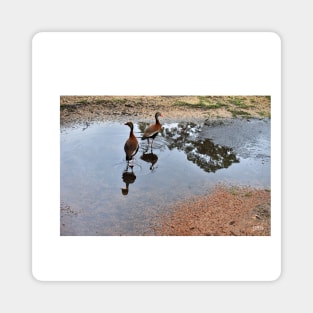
99, 197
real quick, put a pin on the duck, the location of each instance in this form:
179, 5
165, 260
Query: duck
131, 145
152, 130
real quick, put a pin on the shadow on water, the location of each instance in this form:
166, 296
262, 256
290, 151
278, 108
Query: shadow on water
113, 198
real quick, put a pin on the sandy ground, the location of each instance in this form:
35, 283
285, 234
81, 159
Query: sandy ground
80, 109
226, 211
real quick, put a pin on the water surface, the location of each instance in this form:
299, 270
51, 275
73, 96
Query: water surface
101, 196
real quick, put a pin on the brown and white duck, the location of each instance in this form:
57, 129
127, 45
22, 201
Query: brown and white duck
152, 130
131, 145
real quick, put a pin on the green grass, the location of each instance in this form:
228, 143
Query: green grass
68, 107
265, 114
63, 106
217, 105
236, 105
236, 113
234, 192
199, 105
204, 103
119, 100
100, 101
240, 104
82, 102
182, 103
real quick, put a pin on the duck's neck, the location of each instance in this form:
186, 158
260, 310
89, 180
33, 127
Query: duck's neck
157, 120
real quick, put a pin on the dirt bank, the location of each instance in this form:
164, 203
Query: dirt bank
227, 211
80, 109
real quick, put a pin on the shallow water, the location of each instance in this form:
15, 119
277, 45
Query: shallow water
100, 197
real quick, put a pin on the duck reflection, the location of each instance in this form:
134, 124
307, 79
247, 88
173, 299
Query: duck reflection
128, 177
150, 158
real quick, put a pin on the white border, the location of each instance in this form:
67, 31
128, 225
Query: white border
147, 64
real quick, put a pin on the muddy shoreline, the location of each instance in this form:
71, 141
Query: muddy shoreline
227, 210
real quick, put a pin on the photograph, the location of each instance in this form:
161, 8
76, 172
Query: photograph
159, 148
165, 165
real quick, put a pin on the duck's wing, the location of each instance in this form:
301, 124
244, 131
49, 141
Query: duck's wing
151, 130
131, 147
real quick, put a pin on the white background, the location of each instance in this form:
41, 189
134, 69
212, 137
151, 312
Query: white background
153, 63
20, 21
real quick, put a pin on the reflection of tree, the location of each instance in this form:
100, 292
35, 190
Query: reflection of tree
142, 126
203, 152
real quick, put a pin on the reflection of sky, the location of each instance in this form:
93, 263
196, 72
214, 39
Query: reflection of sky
249, 138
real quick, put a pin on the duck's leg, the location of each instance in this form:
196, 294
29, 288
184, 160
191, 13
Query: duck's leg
132, 162
147, 144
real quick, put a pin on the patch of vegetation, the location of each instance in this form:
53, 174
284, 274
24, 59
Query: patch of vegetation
119, 100
101, 101
236, 113
237, 106
217, 105
70, 107
182, 103
209, 103
265, 114
240, 104
63, 107
221, 104
199, 105
234, 192
82, 102
202, 101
